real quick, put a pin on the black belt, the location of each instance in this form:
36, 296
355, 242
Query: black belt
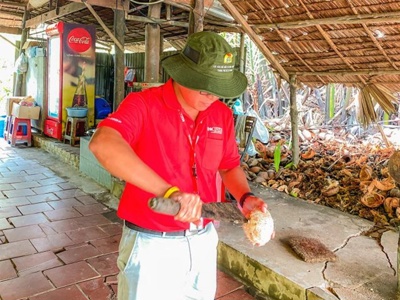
164, 233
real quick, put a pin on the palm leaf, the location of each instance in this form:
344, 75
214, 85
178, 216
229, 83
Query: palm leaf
370, 95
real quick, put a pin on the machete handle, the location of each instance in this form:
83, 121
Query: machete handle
164, 206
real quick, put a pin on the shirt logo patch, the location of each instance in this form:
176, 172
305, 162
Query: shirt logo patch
115, 120
216, 130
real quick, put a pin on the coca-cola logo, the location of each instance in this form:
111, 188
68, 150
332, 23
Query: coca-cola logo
79, 40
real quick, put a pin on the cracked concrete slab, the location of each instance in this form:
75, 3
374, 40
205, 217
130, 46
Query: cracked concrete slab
364, 269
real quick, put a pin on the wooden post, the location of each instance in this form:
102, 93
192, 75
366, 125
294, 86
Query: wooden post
198, 15
20, 78
119, 32
242, 60
294, 118
152, 46
398, 243
398, 269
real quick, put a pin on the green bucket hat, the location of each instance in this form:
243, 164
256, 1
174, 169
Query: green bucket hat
207, 64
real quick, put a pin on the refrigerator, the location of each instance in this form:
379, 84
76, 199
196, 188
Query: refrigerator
70, 74
35, 83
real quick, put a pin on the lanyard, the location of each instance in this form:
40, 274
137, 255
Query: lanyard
192, 143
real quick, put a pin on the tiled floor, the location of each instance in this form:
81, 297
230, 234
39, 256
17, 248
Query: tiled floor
56, 242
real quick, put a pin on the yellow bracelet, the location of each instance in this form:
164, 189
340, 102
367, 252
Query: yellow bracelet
170, 191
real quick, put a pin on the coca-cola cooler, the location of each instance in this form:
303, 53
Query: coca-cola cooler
71, 74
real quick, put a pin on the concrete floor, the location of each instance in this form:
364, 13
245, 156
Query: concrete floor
58, 238
34, 182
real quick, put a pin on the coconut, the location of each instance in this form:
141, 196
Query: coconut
259, 227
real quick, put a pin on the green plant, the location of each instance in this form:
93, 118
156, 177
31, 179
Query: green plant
277, 157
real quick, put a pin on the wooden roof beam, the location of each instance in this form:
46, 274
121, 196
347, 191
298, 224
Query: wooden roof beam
329, 40
10, 15
254, 37
392, 17
10, 30
115, 4
12, 4
209, 25
374, 39
156, 21
210, 8
62, 11
348, 73
288, 44
108, 31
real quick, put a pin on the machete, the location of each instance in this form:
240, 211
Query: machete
223, 211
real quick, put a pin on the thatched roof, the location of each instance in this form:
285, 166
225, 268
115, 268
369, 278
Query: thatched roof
352, 42
340, 41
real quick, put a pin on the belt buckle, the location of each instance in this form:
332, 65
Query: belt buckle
193, 228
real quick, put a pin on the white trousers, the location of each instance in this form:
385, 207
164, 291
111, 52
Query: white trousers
167, 268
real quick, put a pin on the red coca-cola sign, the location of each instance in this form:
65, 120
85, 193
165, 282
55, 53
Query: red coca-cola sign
79, 40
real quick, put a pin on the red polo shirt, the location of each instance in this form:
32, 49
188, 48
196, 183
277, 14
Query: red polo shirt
168, 141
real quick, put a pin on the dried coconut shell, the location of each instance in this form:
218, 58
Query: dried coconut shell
372, 200
259, 179
259, 227
390, 204
255, 169
394, 166
264, 175
310, 153
385, 185
366, 173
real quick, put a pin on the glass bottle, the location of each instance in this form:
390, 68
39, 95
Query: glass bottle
80, 96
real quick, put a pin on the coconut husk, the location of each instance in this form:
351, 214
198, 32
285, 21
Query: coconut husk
259, 228
394, 166
310, 249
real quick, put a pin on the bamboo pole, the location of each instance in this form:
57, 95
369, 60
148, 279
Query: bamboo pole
384, 137
294, 118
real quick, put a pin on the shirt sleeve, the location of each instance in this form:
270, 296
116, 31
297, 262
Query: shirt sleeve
128, 119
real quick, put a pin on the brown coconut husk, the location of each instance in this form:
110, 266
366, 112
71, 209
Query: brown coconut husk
310, 249
394, 166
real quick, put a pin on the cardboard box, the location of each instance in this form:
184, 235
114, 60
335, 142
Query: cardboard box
9, 104
26, 112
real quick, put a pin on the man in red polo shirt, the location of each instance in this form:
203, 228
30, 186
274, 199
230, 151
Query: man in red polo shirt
173, 141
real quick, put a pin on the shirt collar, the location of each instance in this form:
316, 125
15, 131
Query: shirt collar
169, 96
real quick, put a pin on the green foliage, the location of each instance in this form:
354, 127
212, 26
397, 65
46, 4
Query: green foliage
289, 165
277, 157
